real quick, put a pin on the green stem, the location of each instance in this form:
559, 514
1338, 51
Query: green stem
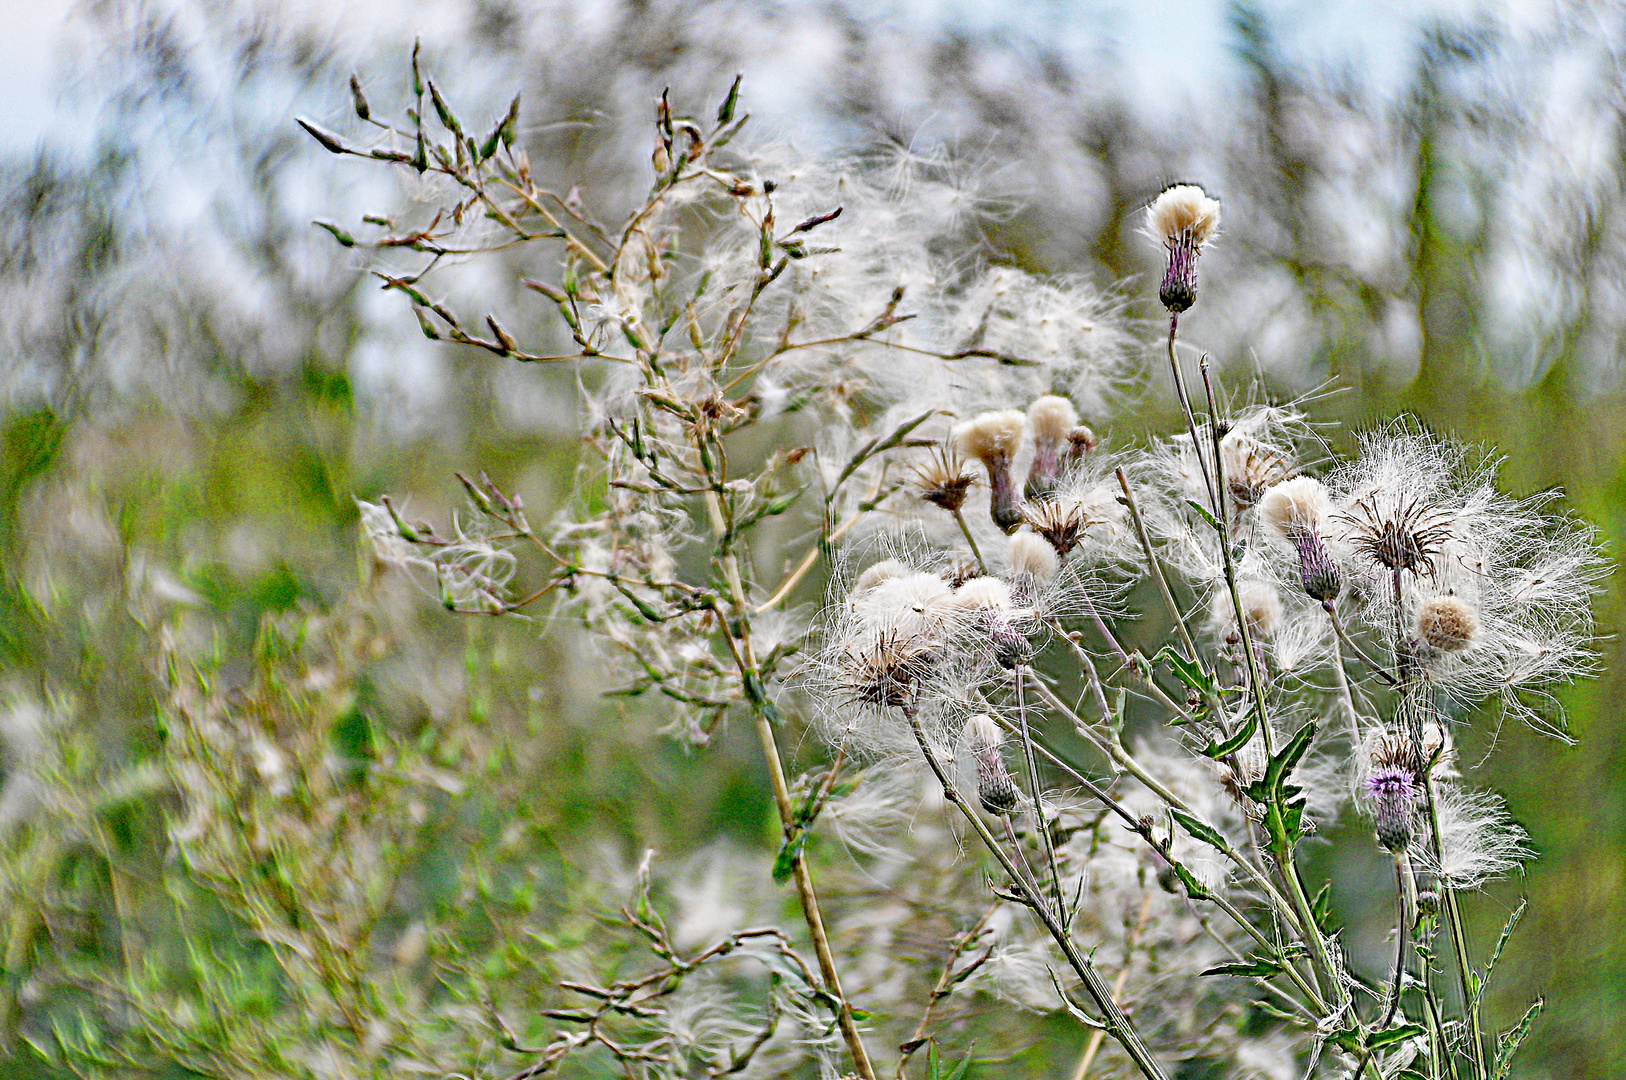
1326, 974
1191, 420
1127, 761
1036, 792
1156, 568
965, 530
1117, 1024
1459, 939
1402, 932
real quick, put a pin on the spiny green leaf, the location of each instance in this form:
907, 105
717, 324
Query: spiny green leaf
1194, 888
1256, 968
1279, 1013
1199, 830
1321, 906
1282, 764
1235, 742
1507, 932
1379, 1039
1202, 511
1508, 1043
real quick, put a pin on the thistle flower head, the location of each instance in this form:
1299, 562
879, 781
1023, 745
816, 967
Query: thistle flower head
943, 480
916, 604
1034, 565
1393, 787
1297, 506
990, 436
1447, 623
993, 438
1182, 219
1297, 510
983, 594
1053, 420
995, 788
987, 604
1183, 213
1081, 441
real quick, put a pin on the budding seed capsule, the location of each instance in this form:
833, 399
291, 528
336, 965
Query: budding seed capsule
995, 788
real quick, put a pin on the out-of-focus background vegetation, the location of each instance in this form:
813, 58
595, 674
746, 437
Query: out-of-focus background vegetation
196, 384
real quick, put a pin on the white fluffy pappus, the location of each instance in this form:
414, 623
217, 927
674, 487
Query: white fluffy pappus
1183, 211
1479, 842
1427, 508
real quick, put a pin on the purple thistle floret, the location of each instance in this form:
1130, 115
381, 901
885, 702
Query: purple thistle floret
1179, 288
1393, 792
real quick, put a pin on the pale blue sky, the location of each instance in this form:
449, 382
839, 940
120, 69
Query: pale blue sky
1175, 49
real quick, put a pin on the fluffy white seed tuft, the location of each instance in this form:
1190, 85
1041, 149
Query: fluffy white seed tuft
1180, 211
983, 593
990, 436
1031, 555
1447, 623
1296, 507
1053, 418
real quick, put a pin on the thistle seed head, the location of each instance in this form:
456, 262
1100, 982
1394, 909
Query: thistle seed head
1060, 522
1251, 467
987, 603
983, 593
886, 668
995, 788
1183, 212
1295, 506
1031, 555
885, 570
992, 438
1408, 535
1296, 510
1318, 574
1447, 623
1182, 219
943, 480
1080, 441
1053, 419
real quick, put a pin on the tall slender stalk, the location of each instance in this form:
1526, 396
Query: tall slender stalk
1459, 940
1116, 1022
1402, 932
1326, 973
1155, 566
1037, 792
